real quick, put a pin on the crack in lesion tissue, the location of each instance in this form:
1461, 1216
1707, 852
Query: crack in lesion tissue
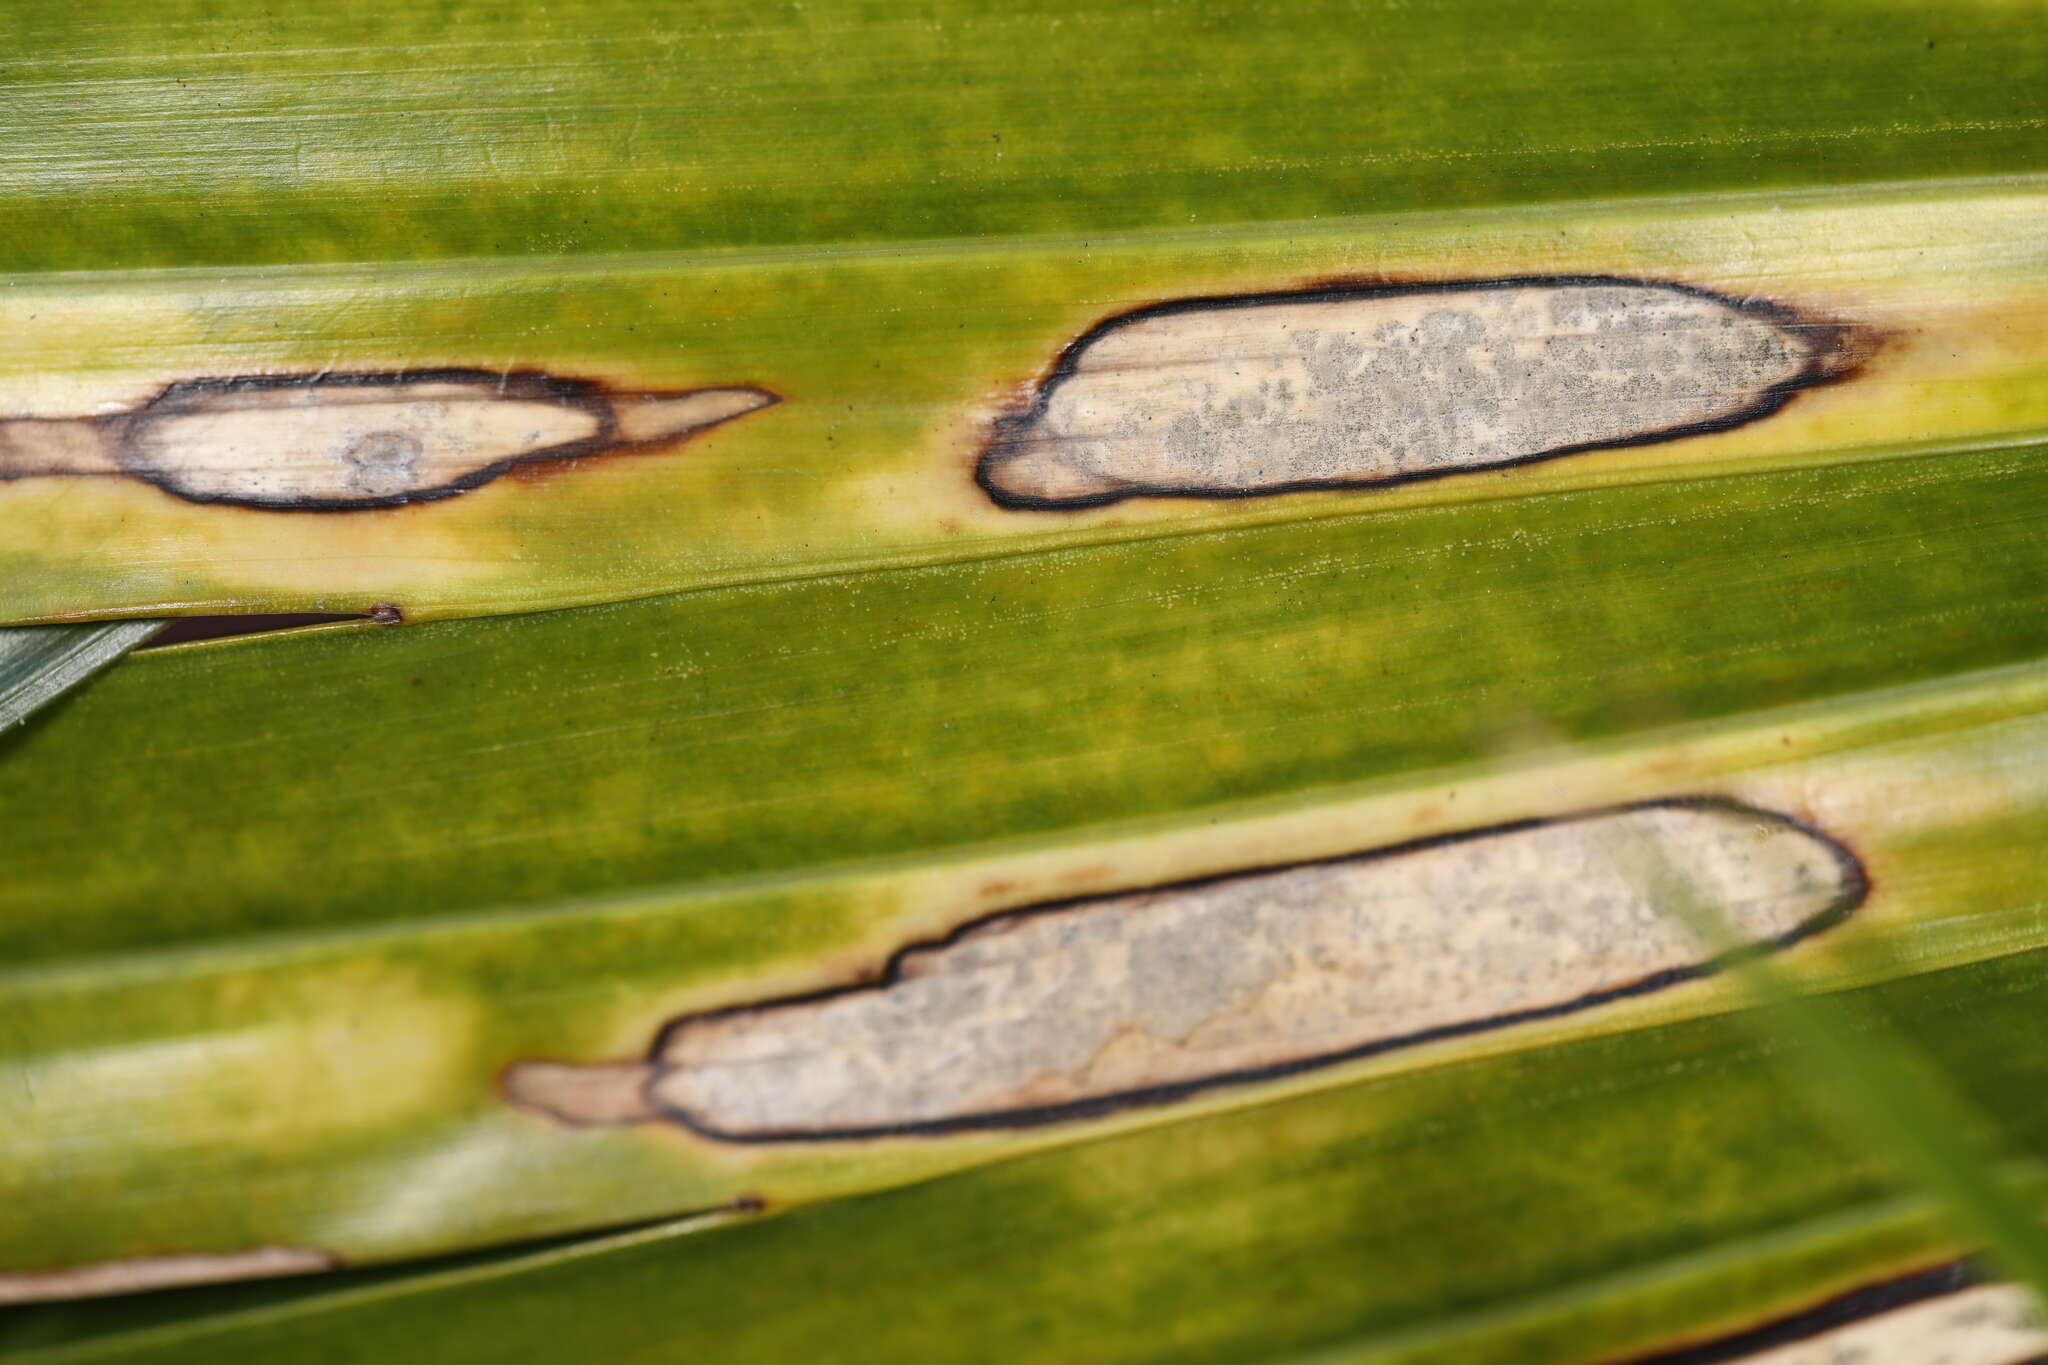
1352, 387
340, 442
1073, 1009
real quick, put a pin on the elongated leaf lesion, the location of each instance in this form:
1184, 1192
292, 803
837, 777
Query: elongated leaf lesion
1349, 387
1075, 1009
343, 442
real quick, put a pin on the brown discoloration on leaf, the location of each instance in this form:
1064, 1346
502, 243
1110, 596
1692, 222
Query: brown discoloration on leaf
347, 442
1076, 1008
581, 1095
139, 1273
1368, 384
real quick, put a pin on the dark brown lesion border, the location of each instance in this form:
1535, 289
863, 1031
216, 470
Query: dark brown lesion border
1842, 1310
583, 395
1836, 351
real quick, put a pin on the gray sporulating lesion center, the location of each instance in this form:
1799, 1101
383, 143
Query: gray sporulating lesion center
1141, 996
1285, 391
383, 463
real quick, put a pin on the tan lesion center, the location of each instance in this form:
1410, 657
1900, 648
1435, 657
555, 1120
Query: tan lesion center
337, 442
1245, 396
1037, 1014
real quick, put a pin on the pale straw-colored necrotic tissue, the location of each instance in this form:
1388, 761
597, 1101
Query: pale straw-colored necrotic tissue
1329, 388
342, 442
1059, 1011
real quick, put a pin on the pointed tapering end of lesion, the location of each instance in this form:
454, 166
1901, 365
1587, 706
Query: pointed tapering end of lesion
661, 418
1836, 350
607, 1095
31, 447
